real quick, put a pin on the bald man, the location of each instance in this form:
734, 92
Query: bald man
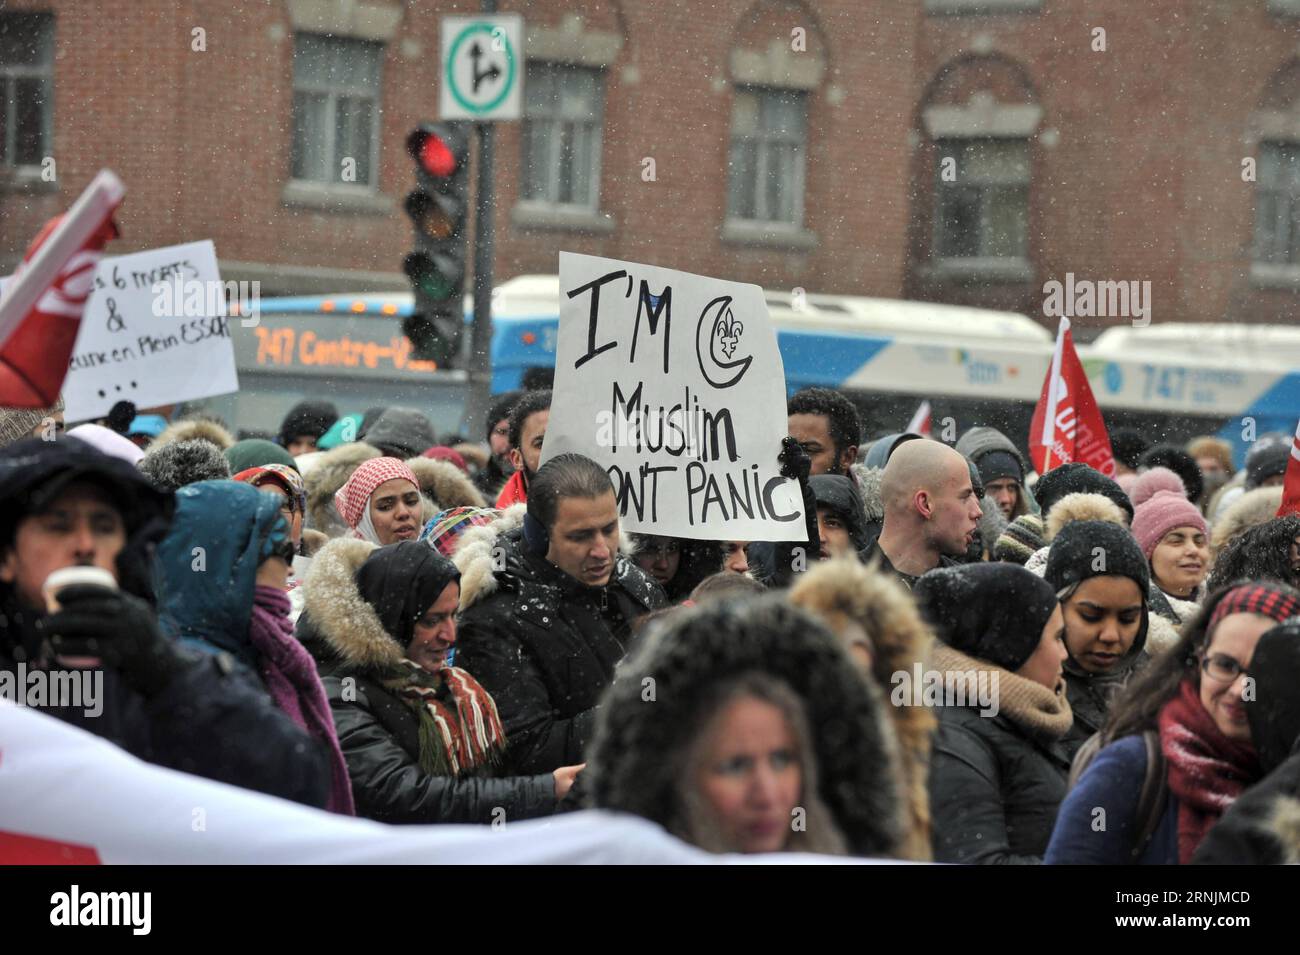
931, 510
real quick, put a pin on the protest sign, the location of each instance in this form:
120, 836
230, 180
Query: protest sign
673, 383
154, 332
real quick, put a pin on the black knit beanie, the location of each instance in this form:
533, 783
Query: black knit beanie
1077, 478
1266, 463
994, 612
307, 418
1181, 463
1084, 549
997, 465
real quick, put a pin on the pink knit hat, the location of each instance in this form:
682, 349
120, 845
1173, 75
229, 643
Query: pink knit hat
1164, 511
1149, 483
350, 500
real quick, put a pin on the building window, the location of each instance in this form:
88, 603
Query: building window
561, 135
768, 146
983, 199
26, 87
335, 109
1277, 211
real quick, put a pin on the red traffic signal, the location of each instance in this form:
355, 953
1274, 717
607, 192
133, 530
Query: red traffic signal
434, 153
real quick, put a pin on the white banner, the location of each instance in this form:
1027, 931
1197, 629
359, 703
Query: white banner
154, 332
673, 382
68, 796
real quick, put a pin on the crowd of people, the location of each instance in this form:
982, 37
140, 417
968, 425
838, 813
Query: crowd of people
962, 661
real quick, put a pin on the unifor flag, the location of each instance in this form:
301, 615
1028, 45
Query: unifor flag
920, 423
1291, 487
1067, 423
40, 309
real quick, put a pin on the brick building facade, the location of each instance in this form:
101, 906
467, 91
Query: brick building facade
954, 150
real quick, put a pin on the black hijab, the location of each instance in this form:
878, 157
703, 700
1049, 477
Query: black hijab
401, 581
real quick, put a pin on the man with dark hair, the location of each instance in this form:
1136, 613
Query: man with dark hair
1128, 446
527, 431
547, 612
826, 424
63, 504
498, 469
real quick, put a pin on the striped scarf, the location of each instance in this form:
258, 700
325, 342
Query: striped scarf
459, 726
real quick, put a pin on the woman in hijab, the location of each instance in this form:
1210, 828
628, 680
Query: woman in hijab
422, 739
381, 502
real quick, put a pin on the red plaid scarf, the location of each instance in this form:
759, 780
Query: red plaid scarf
459, 726
1207, 770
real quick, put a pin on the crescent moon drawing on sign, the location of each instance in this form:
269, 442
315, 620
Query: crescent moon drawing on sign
717, 356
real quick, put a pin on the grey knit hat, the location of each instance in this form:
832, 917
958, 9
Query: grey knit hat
184, 462
19, 423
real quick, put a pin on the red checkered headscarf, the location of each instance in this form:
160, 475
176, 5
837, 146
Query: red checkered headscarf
1267, 599
351, 499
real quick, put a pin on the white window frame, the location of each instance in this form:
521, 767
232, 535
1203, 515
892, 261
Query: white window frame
764, 137
332, 92
11, 72
591, 205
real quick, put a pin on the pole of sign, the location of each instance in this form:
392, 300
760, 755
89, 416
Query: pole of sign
480, 363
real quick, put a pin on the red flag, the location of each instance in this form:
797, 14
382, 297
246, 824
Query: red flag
1067, 423
40, 312
920, 423
1291, 489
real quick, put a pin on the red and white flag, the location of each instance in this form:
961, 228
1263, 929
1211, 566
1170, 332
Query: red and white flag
1291, 487
1067, 423
40, 311
920, 423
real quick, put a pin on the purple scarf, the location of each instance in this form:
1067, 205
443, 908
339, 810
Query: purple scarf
290, 676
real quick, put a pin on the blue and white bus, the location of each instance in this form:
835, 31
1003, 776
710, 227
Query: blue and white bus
976, 366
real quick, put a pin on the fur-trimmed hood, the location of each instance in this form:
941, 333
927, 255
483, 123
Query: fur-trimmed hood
638, 748
868, 481
330, 473
338, 616
841, 592
444, 484
1252, 508
193, 429
1081, 507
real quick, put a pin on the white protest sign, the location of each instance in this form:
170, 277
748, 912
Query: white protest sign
154, 333
673, 383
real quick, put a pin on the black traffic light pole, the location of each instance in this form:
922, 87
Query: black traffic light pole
480, 361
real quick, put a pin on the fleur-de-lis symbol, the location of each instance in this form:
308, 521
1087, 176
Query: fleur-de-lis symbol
729, 332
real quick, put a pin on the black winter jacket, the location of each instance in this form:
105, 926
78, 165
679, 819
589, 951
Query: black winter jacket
379, 736
214, 719
545, 647
994, 789
378, 732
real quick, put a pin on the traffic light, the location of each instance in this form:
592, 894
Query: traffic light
438, 208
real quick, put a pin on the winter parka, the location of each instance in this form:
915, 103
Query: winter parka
541, 643
996, 781
378, 732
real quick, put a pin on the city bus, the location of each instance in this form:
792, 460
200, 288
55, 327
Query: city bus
975, 366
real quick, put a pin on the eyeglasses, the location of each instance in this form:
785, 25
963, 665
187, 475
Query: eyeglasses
1221, 668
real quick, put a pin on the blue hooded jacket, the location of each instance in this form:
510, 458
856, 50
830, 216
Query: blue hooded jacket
205, 598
